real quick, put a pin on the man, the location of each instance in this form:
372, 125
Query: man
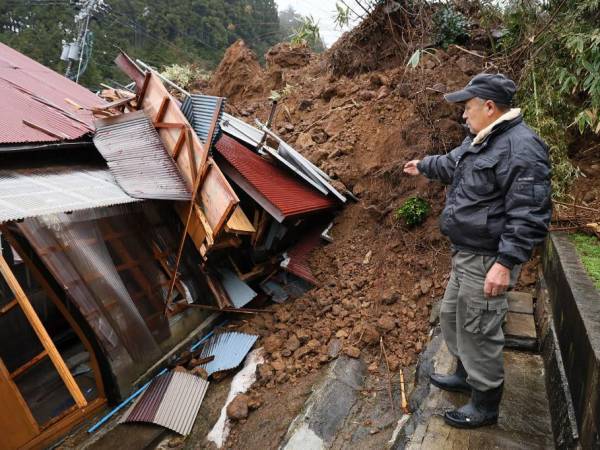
497, 209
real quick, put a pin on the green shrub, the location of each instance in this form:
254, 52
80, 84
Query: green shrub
413, 211
452, 27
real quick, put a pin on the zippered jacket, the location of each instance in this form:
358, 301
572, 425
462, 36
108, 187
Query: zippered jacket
498, 202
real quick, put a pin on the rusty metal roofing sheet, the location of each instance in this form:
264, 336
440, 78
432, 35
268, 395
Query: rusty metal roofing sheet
199, 111
34, 102
36, 192
171, 401
296, 259
138, 159
229, 350
289, 196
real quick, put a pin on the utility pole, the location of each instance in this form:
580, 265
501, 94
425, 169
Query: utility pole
74, 52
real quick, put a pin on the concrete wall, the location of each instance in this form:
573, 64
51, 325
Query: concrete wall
575, 306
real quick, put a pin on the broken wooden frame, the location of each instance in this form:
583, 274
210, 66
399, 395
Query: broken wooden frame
216, 199
23, 429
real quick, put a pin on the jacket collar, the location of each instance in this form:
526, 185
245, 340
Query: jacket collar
500, 122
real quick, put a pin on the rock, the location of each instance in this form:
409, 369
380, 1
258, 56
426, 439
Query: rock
352, 352
200, 372
334, 347
278, 365
389, 296
328, 93
302, 351
238, 408
319, 135
303, 336
367, 95
383, 92
254, 403
313, 344
292, 344
342, 334
370, 335
466, 66
386, 323
176, 442
319, 156
305, 104
367, 258
435, 312
265, 371
425, 285
288, 126
393, 362
272, 344
304, 140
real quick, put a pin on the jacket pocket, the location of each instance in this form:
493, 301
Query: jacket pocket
483, 177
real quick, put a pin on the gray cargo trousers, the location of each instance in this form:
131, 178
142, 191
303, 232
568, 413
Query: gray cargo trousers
472, 323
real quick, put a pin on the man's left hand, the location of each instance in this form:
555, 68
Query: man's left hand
496, 281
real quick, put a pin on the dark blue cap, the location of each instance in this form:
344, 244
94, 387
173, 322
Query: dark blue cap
486, 86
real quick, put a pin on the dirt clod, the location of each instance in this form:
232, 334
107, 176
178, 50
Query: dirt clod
238, 408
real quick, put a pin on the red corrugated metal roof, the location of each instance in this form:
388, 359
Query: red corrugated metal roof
36, 94
290, 196
297, 258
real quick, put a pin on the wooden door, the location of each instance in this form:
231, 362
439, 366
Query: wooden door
17, 425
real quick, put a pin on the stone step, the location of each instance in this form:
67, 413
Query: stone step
519, 328
524, 421
520, 302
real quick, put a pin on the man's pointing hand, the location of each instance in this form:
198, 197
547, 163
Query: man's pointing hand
411, 167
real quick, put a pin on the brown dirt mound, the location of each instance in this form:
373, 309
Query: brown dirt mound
286, 55
238, 75
378, 279
384, 39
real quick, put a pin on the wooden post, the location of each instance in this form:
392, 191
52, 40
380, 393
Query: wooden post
42, 334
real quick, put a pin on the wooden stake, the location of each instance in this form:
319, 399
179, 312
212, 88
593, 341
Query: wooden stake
404, 403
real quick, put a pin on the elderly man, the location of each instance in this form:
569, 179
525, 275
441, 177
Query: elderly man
497, 209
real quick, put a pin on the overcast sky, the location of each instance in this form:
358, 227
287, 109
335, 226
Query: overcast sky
324, 12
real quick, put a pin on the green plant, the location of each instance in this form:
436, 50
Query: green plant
558, 46
452, 27
184, 75
308, 32
415, 58
342, 16
413, 211
588, 249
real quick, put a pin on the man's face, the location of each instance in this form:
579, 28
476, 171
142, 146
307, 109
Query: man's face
478, 114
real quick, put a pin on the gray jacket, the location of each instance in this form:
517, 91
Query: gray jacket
498, 202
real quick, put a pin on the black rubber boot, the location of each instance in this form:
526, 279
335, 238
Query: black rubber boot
456, 382
481, 410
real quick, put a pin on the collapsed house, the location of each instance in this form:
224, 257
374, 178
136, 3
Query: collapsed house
124, 226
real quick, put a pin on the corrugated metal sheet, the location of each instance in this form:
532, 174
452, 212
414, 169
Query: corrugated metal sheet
238, 292
38, 95
229, 350
171, 401
36, 192
241, 130
288, 195
138, 159
296, 258
199, 111
284, 285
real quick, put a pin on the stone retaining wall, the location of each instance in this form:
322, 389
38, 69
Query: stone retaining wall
575, 304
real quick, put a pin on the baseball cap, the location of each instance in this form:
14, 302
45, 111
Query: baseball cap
487, 86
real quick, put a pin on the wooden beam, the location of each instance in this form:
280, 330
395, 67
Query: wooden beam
36, 359
162, 110
42, 334
10, 305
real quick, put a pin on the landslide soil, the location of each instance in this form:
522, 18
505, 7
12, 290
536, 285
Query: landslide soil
379, 279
